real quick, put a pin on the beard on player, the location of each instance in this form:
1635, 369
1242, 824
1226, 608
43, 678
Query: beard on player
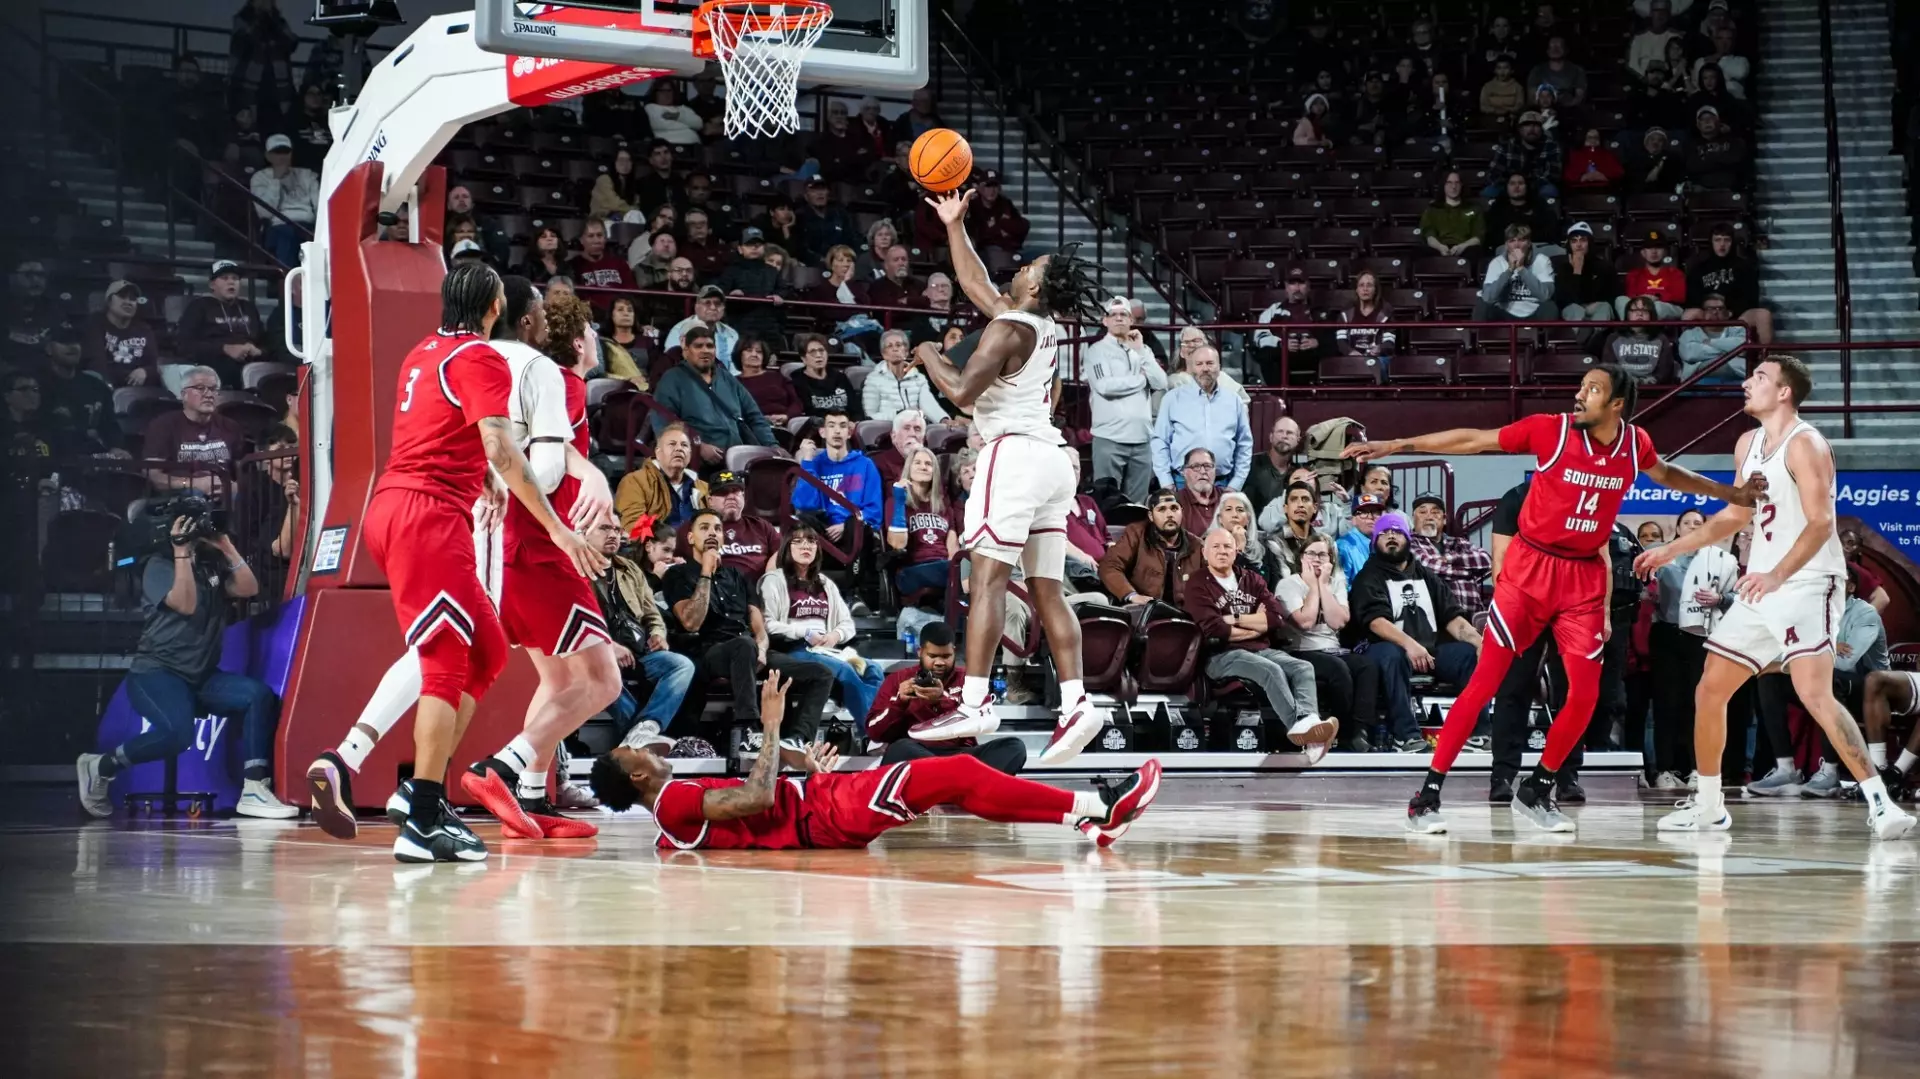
1594, 408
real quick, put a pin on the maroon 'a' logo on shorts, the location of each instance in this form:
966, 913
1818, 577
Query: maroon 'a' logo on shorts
1793, 636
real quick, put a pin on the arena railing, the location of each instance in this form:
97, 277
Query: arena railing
1837, 222
118, 41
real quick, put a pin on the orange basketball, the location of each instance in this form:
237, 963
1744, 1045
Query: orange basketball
941, 160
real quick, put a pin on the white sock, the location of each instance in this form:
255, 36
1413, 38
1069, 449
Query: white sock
1878, 753
1708, 794
1087, 804
518, 754
532, 784
1829, 768
397, 692
1906, 762
1785, 764
973, 691
1873, 790
1071, 692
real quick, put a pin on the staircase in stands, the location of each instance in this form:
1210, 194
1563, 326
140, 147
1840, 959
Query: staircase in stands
93, 184
996, 137
1797, 268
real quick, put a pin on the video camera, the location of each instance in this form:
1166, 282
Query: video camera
153, 531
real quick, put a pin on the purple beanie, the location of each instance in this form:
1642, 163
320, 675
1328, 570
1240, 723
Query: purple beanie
1393, 522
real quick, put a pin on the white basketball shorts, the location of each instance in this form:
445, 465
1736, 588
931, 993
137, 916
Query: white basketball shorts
1798, 619
1017, 510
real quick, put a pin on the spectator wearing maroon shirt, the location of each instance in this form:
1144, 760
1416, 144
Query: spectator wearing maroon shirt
897, 286
913, 693
746, 542
595, 266
196, 446
1868, 585
921, 524
707, 252
996, 225
771, 390
117, 344
1086, 536
220, 330
1655, 277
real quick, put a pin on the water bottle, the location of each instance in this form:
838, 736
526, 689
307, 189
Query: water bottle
908, 641
999, 684
1382, 741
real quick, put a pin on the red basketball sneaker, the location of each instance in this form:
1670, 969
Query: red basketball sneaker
552, 824
485, 782
1126, 802
1079, 724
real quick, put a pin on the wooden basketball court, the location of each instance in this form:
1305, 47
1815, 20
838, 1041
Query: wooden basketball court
1245, 927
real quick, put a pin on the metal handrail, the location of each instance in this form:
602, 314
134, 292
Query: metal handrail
1837, 223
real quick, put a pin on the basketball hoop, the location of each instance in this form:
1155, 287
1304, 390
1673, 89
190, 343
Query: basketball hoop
759, 46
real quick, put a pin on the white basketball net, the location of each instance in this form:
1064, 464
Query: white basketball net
760, 47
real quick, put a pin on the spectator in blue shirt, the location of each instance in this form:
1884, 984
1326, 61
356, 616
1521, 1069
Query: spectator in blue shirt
847, 471
1205, 415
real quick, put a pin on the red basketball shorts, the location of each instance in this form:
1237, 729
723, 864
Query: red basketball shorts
1538, 590
545, 604
846, 810
425, 546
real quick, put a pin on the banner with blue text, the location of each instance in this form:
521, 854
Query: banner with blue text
1886, 500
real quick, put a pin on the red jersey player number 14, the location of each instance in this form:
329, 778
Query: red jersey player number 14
1578, 487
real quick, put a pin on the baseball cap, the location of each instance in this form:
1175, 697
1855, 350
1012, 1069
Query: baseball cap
1369, 504
1296, 274
1653, 238
278, 142
1580, 228
467, 247
1119, 305
990, 177
1707, 110
727, 481
1717, 5
817, 182
710, 292
1430, 499
752, 235
1530, 117
123, 285
224, 266
66, 333
1393, 522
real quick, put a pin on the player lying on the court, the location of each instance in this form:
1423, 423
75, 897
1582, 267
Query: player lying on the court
1556, 574
832, 810
1786, 606
1889, 694
1024, 486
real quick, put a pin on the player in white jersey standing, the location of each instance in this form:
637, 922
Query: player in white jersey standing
1787, 606
1023, 486
543, 430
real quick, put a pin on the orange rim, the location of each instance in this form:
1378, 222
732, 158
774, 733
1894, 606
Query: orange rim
753, 16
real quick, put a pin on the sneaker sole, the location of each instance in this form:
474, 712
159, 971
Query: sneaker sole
1069, 740
324, 792
1723, 824
284, 812
491, 791
1320, 733
1810, 791
1784, 790
934, 730
563, 827
1135, 802
407, 851
1429, 826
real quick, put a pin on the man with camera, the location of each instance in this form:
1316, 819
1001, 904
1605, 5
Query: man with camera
928, 689
175, 675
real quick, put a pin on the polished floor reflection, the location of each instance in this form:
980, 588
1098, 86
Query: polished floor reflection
1262, 928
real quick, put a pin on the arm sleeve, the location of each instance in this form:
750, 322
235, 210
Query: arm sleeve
1368, 600
839, 615
1495, 286
930, 404
1199, 604
156, 581
548, 460
871, 401
1113, 565
1155, 375
773, 601
1109, 370
805, 495
481, 382
1446, 608
1242, 448
679, 582
1160, 450
1537, 435
869, 495
1263, 337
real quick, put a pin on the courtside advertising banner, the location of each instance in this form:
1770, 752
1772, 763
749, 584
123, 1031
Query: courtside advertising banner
1886, 500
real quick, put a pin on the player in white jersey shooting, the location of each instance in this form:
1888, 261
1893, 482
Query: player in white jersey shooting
1787, 606
1023, 486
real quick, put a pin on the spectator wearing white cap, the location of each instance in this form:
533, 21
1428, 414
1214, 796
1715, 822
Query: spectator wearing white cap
1584, 285
117, 344
219, 330
1123, 376
466, 250
289, 197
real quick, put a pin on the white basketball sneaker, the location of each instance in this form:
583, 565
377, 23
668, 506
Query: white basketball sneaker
966, 721
1692, 816
1887, 820
1080, 724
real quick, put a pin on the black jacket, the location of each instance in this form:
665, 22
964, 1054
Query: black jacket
1412, 597
1599, 283
1732, 277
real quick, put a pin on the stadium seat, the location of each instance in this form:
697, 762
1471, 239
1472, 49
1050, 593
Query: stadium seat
1560, 365
1106, 641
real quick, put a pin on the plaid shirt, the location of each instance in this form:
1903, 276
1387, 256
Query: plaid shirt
1542, 163
1459, 563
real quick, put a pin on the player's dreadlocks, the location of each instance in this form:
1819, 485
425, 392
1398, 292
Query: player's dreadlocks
1067, 286
1625, 390
467, 295
521, 296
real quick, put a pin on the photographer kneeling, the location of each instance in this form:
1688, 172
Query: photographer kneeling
175, 675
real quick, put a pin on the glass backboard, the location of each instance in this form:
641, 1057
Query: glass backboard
881, 44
